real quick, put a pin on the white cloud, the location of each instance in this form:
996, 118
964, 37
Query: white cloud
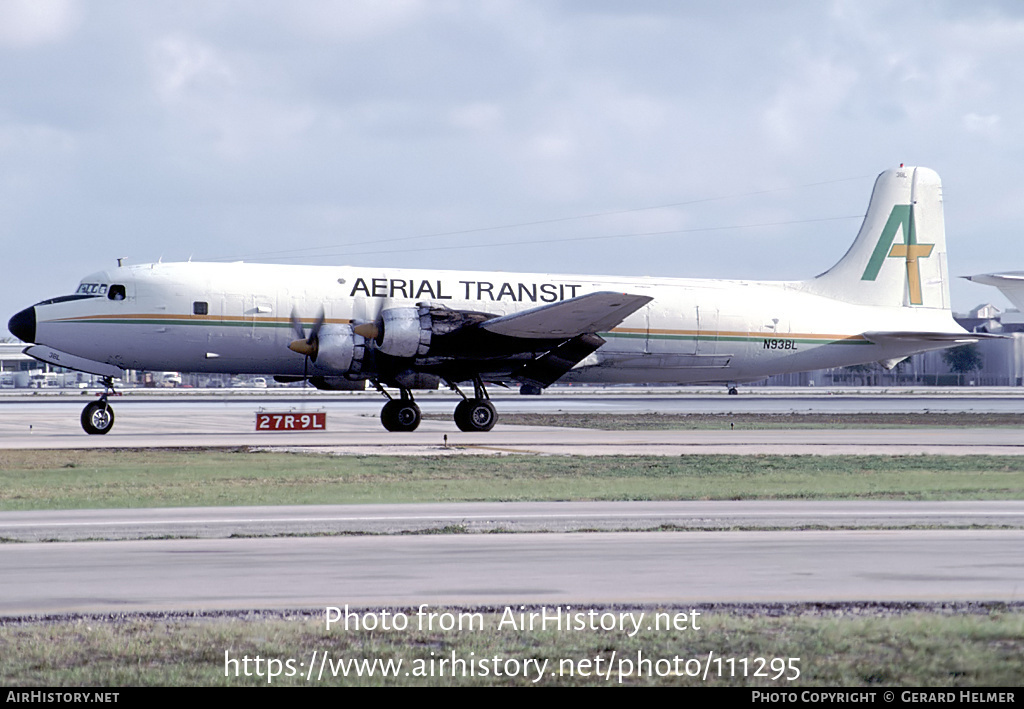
357, 19
983, 125
477, 116
26, 23
221, 105
184, 66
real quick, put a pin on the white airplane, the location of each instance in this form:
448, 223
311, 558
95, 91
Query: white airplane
1010, 283
340, 326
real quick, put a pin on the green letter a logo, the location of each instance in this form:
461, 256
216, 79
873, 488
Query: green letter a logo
909, 250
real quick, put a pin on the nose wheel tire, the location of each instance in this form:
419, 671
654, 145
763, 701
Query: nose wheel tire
97, 418
473, 415
400, 415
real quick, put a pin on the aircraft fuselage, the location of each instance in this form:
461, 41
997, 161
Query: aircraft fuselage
235, 318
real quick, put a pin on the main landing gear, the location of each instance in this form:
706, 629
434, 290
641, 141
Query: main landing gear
472, 414
98, 416
476, 414
400, 414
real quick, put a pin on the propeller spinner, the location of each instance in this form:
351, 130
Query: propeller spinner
368, 330
308, 346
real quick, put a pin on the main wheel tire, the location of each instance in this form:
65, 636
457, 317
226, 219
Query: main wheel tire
473, 415
400, 415
97, 418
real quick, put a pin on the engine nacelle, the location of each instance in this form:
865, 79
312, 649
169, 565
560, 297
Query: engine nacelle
405, 332
340, 351
338, 383
413, 331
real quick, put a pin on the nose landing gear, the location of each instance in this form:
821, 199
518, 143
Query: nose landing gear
98, 416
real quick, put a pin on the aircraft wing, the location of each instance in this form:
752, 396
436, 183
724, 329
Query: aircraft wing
591, 313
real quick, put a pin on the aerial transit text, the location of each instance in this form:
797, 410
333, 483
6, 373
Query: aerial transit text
516, 292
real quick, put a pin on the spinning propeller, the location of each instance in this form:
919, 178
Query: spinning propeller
307, 346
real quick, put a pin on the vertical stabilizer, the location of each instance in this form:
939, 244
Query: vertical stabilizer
899, 256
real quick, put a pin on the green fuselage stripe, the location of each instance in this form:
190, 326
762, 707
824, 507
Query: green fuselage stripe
662, 336
725, 337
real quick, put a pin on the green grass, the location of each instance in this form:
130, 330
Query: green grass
77, 479
919, 649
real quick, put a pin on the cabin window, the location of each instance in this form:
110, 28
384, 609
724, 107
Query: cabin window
116, 292
200, 307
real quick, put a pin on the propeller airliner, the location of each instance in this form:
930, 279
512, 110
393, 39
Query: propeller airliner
406, 330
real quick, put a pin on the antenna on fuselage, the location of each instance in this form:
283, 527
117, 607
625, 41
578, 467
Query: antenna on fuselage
119, 264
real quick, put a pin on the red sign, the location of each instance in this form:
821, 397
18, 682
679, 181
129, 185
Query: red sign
315, 421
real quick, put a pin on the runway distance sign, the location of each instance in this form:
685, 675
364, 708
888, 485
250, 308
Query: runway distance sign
291, 421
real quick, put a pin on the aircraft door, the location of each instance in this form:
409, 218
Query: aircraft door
259, 314
229, 314
707, 330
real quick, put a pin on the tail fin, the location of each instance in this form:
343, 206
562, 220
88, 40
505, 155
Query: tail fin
899, 257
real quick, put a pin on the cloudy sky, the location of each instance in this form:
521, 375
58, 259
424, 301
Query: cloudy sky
704, 139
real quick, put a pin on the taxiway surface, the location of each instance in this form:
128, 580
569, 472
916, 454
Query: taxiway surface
486, 569
353, 427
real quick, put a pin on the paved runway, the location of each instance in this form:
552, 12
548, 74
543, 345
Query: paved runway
353, 427
474, 569
485, 569
220, 573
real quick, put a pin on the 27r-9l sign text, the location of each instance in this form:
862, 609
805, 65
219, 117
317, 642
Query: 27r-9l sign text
316, 421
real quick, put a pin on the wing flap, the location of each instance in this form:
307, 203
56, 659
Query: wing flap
591, 313
546, 370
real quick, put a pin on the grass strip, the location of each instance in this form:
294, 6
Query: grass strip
80, 479
915, 649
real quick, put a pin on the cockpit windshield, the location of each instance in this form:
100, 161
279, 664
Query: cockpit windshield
65, 299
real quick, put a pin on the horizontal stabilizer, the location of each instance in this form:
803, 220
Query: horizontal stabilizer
591, 313
69, 361
930, 340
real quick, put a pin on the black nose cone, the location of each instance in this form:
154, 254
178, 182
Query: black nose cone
23, 325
